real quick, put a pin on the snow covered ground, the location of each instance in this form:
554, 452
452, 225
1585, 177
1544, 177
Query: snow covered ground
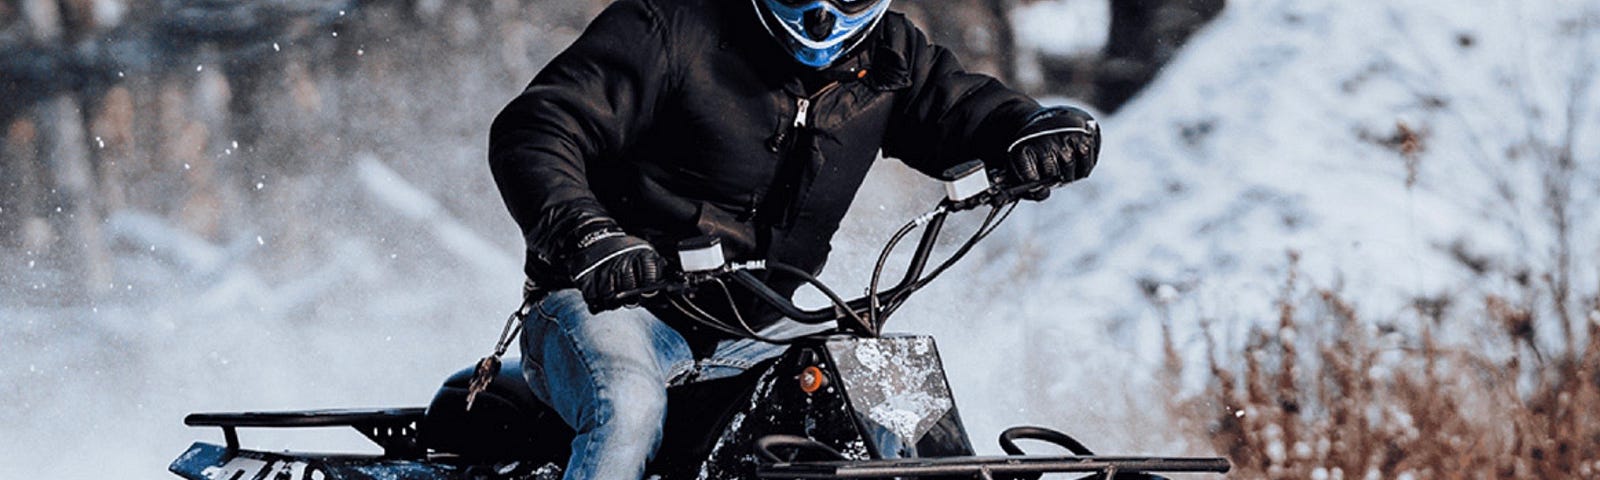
1278, 129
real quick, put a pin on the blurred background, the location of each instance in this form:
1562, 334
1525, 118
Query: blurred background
1328, 239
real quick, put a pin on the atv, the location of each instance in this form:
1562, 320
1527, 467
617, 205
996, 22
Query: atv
845, 402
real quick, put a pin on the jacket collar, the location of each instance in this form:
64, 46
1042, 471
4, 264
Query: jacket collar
882, 57
880, 63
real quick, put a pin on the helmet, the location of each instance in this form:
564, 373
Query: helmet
818, 32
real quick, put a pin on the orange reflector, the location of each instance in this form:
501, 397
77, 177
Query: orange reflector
862, 73
812, 379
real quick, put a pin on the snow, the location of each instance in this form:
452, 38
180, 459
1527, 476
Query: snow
1257, 141
200, 324
391, 189
1062, 27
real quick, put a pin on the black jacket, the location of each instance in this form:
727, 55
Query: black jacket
682, 118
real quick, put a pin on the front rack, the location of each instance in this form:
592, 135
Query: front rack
1017, 466
990, 467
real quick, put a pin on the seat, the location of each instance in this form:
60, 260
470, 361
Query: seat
507, 422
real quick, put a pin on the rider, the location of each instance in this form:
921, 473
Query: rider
754, 122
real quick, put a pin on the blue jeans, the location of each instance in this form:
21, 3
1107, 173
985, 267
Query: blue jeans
607, 374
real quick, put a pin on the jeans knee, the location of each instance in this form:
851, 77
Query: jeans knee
639, 413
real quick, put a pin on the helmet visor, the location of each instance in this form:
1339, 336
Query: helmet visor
839, 27
848, 7
817, 32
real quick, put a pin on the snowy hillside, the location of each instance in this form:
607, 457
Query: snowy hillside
1283, 128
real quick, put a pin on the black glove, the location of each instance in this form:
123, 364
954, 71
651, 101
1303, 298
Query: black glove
604, 261
1058, 145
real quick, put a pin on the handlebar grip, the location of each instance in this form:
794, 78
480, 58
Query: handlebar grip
998, 195
1025, 189
633, 297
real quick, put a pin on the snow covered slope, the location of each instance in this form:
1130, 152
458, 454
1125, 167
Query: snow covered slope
1405, 150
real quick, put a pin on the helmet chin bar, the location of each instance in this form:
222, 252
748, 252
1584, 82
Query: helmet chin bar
819, 23
817, 33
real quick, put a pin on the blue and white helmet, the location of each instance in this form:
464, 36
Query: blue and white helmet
818, 32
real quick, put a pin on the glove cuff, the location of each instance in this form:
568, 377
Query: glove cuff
595, 241
593, 230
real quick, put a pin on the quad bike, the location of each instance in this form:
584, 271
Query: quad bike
843, 403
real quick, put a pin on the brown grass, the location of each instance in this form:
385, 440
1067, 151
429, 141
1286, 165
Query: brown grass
1330, 395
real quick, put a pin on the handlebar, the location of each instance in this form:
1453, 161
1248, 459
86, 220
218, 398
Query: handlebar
864, 315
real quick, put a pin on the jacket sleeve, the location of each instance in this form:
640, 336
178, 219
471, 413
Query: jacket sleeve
584, 108
948, 116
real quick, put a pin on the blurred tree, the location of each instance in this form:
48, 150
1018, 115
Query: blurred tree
977, 31
223, 115
1145, 35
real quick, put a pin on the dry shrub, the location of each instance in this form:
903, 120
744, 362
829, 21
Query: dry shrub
1329, 395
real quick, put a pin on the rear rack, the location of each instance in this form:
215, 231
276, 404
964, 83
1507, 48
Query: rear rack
990, 467
394, 429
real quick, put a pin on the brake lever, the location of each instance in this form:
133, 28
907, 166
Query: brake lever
998, 196
638, 296
969, 186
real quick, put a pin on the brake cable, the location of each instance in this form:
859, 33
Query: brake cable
699, 315
883, 258
899, 297
838, 302
728, 294
877, 309
989, 225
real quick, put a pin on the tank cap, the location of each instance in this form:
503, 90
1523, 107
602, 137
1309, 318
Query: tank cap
965, 181
700, 254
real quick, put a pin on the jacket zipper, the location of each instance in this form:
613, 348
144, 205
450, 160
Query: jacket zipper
783, 145
800, 115
802, 118
804, 105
